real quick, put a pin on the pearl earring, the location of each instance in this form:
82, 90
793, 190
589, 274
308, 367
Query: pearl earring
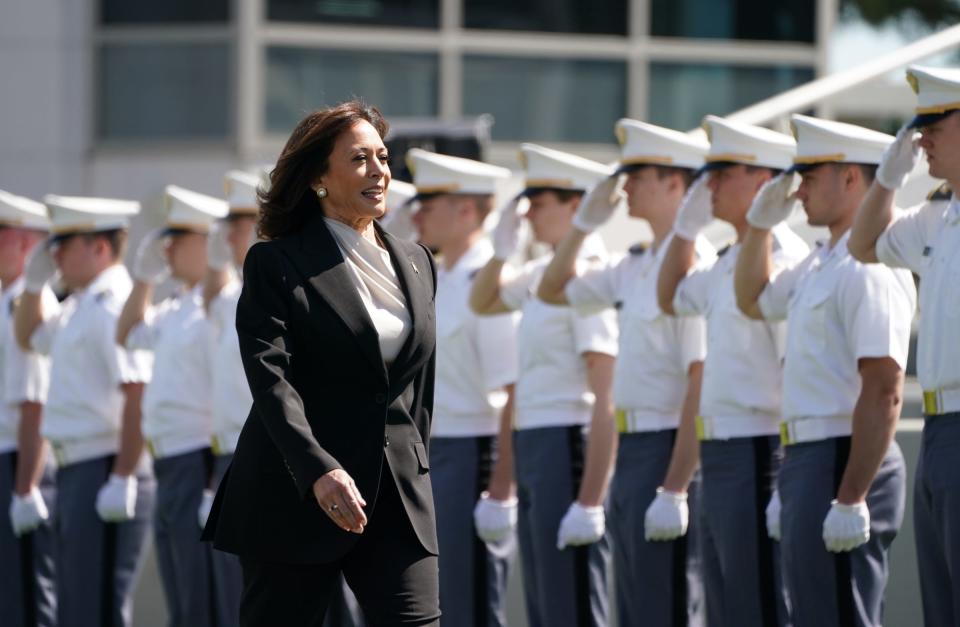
321, 192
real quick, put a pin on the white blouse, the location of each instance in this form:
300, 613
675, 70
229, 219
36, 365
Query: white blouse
376, 281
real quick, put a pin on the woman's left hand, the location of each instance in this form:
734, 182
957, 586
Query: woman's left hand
340, 500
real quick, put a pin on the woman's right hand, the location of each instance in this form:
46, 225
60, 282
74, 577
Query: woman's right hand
340, 500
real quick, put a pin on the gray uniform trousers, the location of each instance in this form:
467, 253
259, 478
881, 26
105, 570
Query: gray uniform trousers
658, 584
565, 588
185, 563
27, 564
227, 574
835, 589
98, 563
936, 516
741, 564
473, 574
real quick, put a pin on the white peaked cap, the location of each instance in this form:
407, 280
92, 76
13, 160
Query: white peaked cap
648, 144
734, 142
81, 214
399, 193
192, 211
240, 188
938, 92
23, 213
553, 169
824, 141
442, 174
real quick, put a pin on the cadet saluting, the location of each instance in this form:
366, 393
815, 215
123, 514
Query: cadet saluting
842, 481
927, 241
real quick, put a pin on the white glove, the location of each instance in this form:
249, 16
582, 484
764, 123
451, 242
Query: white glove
667, 517
27, 512
399, 223
773, 516
696, 210
494, 519
599, 203
581, 525
150, 264
203, 512
846, 526
506, 235
773, 203
899, 159
39, 268
219, 251
117, 499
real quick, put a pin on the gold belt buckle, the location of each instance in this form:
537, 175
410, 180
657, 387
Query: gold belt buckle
785, 434
215, 445
621, 417
700, 427
59, 454
931, 402
152, 449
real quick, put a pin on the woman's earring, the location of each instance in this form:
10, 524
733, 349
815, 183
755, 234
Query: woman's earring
321, 192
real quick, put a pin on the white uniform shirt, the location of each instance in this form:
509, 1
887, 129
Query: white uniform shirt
655, 350
839, 311
24, 377
742, 372
927, 241
552, 386
476, 355
177, 404
85, 401
231, 393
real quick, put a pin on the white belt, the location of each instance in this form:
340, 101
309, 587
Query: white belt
641, 421
727, 427
942, 401
224, 443
68, 452
815, 428
175, 444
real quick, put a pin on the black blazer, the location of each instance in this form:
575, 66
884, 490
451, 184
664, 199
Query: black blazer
323, 399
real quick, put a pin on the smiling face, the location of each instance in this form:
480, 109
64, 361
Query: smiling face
551, 216
357, 176
941, 142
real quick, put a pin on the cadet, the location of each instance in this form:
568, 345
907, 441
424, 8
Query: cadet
842, 481
738, 425
28, 595
566, 370
656, 382
926, 240
105, 487
470, 447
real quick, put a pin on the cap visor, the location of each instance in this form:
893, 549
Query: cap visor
926, 119
530, 192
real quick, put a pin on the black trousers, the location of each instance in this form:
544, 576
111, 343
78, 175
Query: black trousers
395, 580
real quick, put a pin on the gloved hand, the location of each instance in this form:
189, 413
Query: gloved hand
27, 512
506, 235
581, 525
203, 512
899, 159
846, 526
494, 519
773, 516
773, 203
696, 210
399, 223
219, 251
117, 499
39, 268
150, 264
599, 203
667, 517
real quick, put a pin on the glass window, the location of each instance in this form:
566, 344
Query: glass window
607, 17
420, 13
164, 91
300, 80
681, 94
163, 11
534, 99
784, 20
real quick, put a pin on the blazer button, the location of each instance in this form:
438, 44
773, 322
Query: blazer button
386, 441
380, 399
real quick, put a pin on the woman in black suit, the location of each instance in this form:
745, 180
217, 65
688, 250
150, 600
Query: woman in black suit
336, 328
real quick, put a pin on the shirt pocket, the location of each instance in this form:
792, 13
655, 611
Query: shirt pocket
812, 308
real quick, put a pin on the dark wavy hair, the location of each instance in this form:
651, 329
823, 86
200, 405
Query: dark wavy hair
288, 203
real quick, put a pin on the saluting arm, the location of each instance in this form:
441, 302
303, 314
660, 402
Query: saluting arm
27, 317
753, 271
680, 257
134, 310
485, 293
561, 269
873, 217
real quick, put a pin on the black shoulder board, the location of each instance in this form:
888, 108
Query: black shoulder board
103, 296
723, 251
637, 249
941, 193
820, 243
473, 274
13, 304
618, 305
